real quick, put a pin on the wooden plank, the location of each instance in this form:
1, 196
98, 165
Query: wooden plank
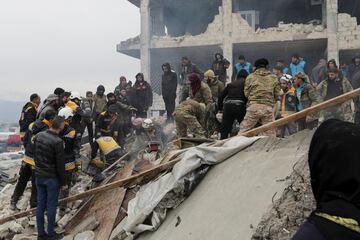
302, 114
108, 204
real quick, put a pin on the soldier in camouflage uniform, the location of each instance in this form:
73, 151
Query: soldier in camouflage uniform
199, 91
332, 87
262, 89
190, 115
307, 97
216, 87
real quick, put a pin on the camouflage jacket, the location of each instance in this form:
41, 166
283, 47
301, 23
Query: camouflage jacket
308, 97
203, 95
347, 108
262, 87
191, 107
216, 88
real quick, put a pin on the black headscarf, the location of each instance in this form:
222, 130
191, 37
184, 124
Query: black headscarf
334, 161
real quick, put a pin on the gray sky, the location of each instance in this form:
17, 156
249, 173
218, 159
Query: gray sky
69, 43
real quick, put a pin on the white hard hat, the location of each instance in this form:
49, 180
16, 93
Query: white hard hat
286, 77
75, 95
66, 112
147, 123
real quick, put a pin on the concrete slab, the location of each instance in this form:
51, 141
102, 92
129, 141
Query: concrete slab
235, 194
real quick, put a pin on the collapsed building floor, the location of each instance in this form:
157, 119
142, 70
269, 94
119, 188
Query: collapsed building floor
266, 197
271, 29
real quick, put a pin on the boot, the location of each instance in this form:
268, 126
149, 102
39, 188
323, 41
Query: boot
13, 206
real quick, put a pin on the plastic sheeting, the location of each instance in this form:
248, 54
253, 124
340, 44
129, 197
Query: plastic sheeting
148, 209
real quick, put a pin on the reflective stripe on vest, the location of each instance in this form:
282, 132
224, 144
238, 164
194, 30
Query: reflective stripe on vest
71, 134
29, 160
69, 166
107, 144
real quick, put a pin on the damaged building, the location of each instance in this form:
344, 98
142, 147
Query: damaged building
274, 29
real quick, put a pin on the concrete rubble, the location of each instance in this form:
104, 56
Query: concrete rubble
273, 209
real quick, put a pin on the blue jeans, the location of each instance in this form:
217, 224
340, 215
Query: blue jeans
47, 198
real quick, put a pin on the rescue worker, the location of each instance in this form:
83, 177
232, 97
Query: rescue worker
147, 136
99, 102
124, 84
297, 65
87, 104
214, 84
199, 91
187, 68
64, 98
212, 125
26, 171
51, 104
122, 111
288, 105
168, 88
79, 113
242, 64
232, 104
190, 115
71, 153
106, 127
306, 97
28, 114
262, 90
219, 66
142, 96
332, 87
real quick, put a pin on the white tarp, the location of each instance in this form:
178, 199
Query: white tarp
150, 195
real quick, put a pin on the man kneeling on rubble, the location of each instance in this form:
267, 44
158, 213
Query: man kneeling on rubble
149, 139
190, 115
106, 133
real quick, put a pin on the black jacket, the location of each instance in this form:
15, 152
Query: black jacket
187, 70
34, 128
233, 91
49, 156
72, 148
169, 84
28, 115
142, 96
219, 67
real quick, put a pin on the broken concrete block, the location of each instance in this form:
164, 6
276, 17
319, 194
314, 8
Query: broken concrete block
87, 235
64, 220
9, 228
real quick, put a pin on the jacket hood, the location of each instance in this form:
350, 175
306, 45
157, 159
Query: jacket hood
262, 72
137, 75
219, 54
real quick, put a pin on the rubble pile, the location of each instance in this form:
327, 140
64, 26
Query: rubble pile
291, 209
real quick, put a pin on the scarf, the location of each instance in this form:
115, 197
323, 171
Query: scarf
335, 179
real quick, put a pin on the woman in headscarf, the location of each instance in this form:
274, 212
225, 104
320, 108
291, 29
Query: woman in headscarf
335, 179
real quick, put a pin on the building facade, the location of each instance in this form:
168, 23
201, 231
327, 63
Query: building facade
273, 29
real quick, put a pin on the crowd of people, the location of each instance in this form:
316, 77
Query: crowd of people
209, 107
